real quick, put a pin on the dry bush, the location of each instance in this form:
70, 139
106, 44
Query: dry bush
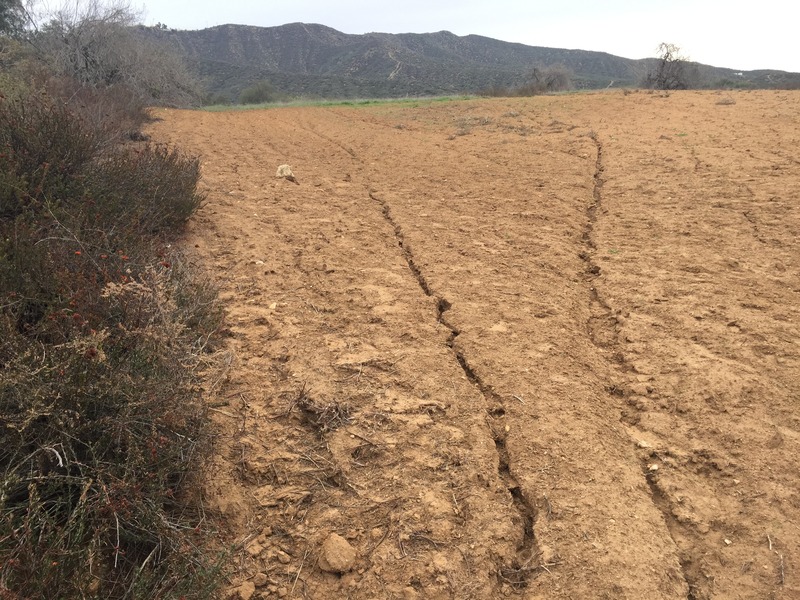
102, 333
101, 432
322, 417
551, 79
556, 78
115, 112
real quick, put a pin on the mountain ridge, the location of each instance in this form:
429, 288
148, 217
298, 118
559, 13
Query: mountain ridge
310, 59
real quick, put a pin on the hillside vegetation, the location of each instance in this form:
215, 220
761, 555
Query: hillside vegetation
311, 60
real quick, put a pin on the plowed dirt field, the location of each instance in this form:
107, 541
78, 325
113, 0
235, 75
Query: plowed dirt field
524, 348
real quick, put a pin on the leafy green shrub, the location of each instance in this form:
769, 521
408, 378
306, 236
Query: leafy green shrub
736, 84
12, 17
103, 330
258, 94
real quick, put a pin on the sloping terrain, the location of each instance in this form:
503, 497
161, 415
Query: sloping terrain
534, 348
304, 59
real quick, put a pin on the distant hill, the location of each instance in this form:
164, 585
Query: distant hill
311, 60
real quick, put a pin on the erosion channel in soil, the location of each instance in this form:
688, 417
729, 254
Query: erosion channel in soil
533, 348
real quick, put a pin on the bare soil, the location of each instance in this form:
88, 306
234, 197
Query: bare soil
525, 348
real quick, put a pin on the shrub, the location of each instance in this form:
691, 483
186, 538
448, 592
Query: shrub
51, 157
258, 94
540, 81
216, 99
116, 112
12, 53
102, 333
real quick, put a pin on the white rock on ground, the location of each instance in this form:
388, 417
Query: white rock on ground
284, 171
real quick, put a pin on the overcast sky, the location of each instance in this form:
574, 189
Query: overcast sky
741, 35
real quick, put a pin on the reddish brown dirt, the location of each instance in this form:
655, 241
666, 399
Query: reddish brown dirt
535, 348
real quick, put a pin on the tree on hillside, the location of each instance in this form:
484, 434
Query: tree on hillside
671, 71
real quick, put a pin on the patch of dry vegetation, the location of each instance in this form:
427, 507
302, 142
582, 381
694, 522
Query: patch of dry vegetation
105, 334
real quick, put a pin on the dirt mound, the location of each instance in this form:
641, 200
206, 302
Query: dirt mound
539, 348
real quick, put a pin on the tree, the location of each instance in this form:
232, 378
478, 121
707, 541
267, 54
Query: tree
556, 78
98, 45
12, 17
670, 71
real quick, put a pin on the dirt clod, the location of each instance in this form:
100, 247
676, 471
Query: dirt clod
337, 555
246, 591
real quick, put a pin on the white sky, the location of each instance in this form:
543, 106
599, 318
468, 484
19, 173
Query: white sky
733, 33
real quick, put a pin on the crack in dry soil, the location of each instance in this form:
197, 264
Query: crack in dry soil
522, 570
602, 325
663, 504
603, 332
683, 355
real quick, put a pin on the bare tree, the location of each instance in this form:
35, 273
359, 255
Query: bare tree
98, 45
671, 71
555, 78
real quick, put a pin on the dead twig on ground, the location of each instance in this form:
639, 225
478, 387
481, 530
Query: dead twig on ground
223, 412
300, 570
388, 526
